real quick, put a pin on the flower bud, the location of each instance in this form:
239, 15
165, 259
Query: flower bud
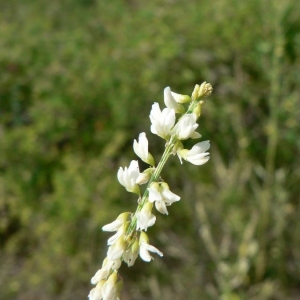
141, 149
195, 92
197, 110
205, 90
202, 91
181, 98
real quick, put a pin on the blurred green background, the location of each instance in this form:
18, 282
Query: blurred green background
77, 81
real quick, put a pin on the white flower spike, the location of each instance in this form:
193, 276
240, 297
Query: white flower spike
162, 121
141, 149
130, 239
128, 177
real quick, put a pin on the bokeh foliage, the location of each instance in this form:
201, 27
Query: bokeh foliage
77, 81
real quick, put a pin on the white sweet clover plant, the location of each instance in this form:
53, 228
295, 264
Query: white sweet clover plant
130, 239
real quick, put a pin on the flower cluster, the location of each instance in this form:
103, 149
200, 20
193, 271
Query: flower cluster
130, 239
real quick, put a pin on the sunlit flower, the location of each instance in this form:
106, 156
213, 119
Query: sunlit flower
162, 196
145, 248
141, 149
128, 177
110, 289
171, 102
96, 292
162, 121
115, 225
131, 254
185, 128
197, 155
107, 266
116, 250
145, 218
119, 233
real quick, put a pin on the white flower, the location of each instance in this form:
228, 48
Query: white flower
96, 293
107, 266
131, 254
162, 121
197, 155
145, 248
128, 177
185, 128
116, 250
171, 102
141, 149
162, 196
109, 288
181, 98
119, 233
115, 225
145, 218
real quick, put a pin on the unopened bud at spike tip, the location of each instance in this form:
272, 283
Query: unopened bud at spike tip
202, 91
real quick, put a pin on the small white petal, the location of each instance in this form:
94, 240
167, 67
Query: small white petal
100, 274
114, 238
198, 160
116, 250
161, 207
154, 194
196, 135
181, 98
169, 197
145, 255
113, 226
200, 147
185, 127
109, 290
141, 148
144, 251
145, 220
171, 102
197, 154
96, 293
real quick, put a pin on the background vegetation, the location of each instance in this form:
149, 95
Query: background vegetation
77, 81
